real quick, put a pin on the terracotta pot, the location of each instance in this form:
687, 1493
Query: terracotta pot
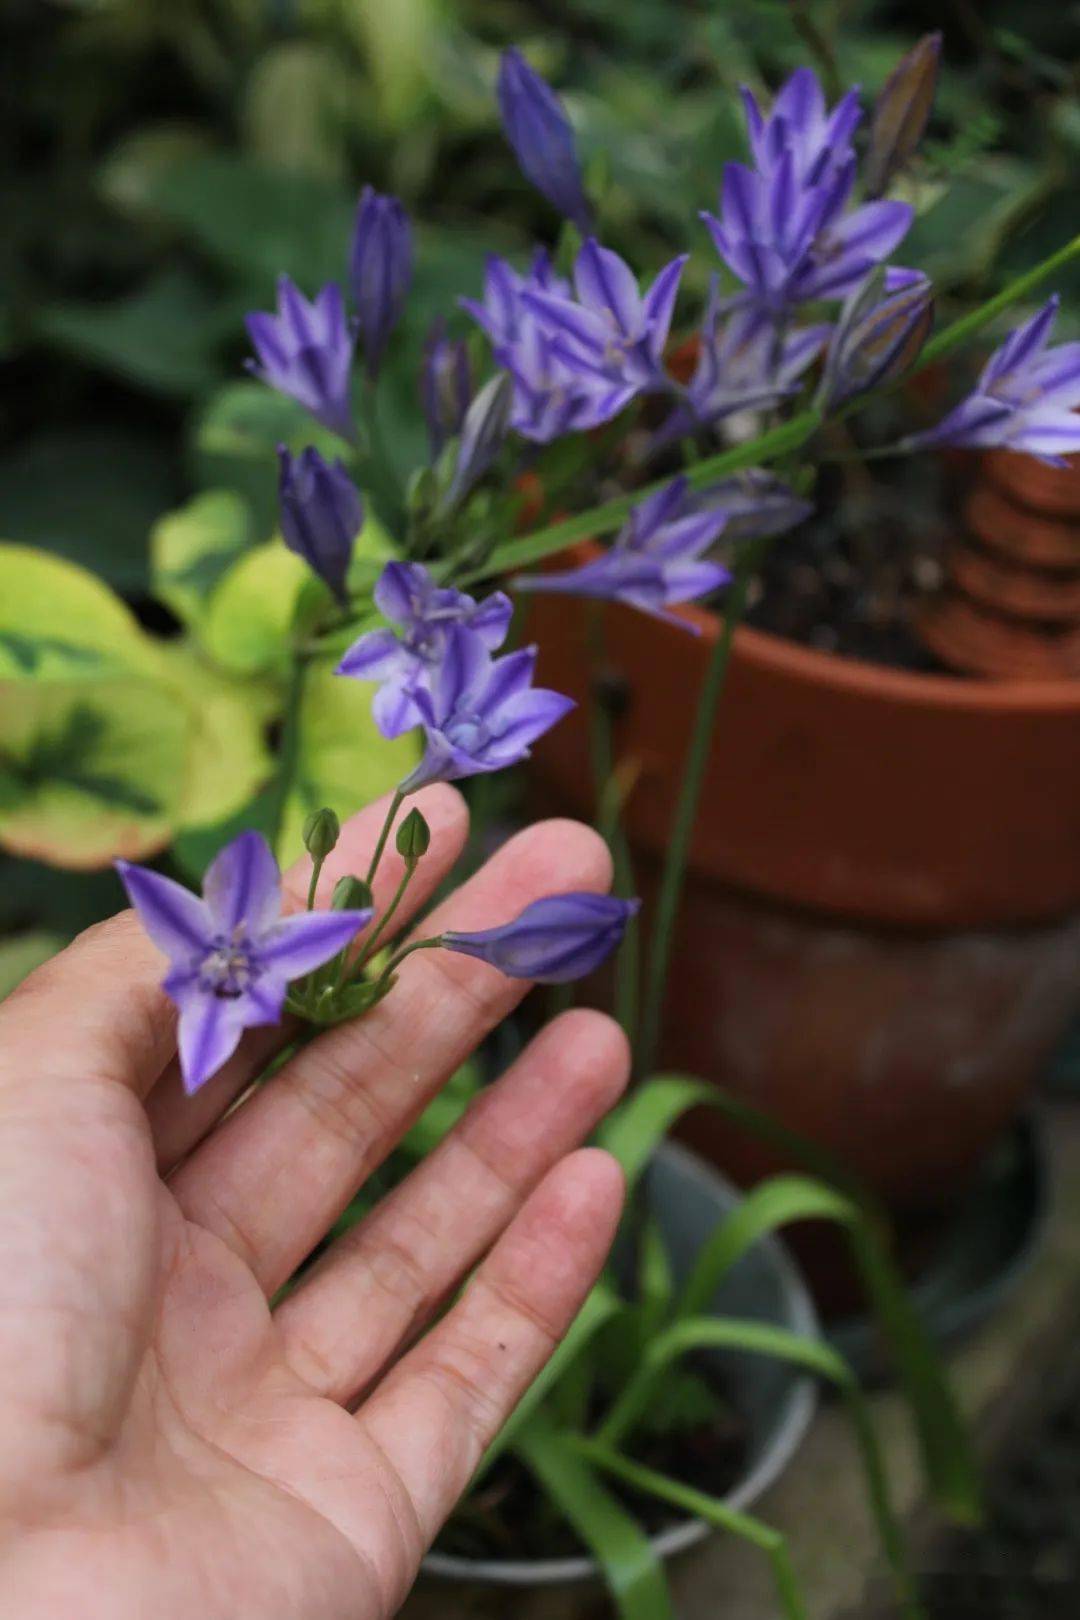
881, 936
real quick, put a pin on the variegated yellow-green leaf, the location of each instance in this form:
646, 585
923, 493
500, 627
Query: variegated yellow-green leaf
193, 548
227, 757
250, 614
89, 769
59, 621
344, 761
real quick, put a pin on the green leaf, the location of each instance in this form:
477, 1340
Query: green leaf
89, 769
193, 548
166, 337
21, 955
248, 619
63, 491
632, 1570
227, 759
633, 1131
343, 760
57, 621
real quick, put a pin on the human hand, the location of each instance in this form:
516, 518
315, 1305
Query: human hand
171, 1446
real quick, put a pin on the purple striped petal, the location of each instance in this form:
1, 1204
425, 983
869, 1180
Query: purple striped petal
243, 885
1021, 346
297, 945
208, 1035
176, 920
374, 657
607, 285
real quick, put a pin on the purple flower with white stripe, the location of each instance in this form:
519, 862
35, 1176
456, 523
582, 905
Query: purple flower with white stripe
306, 352
232, 954
1026, 398
611, 331
481, 713
380, 271
426, 613
656, 560
554, 940
539, 131
322, 512
551, 395
784, 227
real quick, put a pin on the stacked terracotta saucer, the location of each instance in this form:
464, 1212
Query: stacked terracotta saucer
1011, 605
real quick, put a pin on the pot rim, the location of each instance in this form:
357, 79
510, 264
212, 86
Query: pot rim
839, 671
791, 1422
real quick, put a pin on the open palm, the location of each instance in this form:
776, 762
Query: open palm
171, 1445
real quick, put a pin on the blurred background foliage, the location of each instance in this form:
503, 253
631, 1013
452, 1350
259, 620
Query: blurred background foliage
166, 159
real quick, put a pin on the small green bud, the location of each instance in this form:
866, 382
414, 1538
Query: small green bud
350, 894
413, 836
321, 832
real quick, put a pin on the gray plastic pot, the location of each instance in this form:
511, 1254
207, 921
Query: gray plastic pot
776, 1400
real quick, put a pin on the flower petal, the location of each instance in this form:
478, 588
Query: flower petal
298, 944
176, 920
208, 1035
374, 657
243, 885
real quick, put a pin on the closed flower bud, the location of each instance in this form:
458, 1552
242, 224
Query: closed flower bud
901, 114
553, 940
413, 837
322, 829
879, 336
487, 423
539, 131
322, 512
445, 386
380, 271
350, 894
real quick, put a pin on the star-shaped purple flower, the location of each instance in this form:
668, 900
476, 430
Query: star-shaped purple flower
408, 595
784, 228
611, 330
232, 954
1026, 398
656, 559
306, 351
482, 713
553, 395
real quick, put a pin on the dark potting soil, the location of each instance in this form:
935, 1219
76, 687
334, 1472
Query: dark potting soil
847, 580
508, 1517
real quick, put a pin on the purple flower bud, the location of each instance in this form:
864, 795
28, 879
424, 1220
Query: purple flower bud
539, 131
321, 514
880, 334
380, 271
901, 114
306, 351
445, 386
483, 435
232, 954
554, 940
1026, 398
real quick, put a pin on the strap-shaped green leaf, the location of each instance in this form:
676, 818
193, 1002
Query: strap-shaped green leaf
631, 1568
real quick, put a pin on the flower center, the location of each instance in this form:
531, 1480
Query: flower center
470, 732
229, 967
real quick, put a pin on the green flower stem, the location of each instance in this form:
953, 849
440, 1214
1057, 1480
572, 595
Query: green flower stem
966, 327
369, 948
678, 850
288, 754
433, 944
395, 805
317, 863
700, 1506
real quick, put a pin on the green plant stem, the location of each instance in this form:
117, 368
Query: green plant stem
678, 850
609, 826
288, 753
384, 833
381, 926
700, 1506
966, 327
317, 863
433, 944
